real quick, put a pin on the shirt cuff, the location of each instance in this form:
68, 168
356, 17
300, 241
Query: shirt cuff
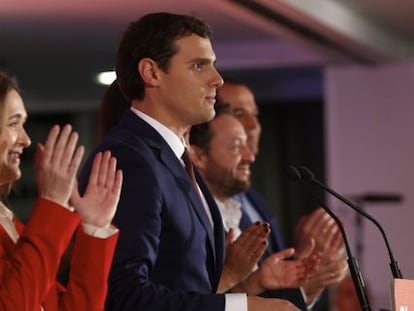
309, 304
99, 232
235, 302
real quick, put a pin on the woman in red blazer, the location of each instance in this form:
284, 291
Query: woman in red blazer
30, 255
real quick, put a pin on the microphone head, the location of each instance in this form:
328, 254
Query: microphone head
306, 173
378, 197
293, 174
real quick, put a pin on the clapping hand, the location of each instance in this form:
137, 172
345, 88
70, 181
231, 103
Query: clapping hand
98, 204
56, 164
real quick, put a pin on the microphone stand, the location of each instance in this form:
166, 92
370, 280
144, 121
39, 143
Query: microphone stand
359, 232
352, 262
307, 175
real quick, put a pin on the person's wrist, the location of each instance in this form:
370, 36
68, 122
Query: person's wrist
96, 224
99, 232
252, 284
230, 277
93, 220
259, 281
59, 201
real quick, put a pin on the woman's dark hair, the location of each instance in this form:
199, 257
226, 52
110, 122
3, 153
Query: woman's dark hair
7, 84
113, 107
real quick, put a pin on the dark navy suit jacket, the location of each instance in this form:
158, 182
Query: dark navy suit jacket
276, 244
167, 256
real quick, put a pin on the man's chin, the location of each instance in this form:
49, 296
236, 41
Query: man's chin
238, 187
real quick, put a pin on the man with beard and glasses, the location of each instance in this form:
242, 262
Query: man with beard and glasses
220, 151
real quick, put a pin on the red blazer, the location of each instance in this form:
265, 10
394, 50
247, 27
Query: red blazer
28, 269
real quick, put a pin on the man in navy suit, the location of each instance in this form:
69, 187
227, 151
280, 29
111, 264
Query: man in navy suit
170, 252
318, 226
219, 150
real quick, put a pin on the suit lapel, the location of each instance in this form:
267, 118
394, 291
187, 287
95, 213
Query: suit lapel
218, 226
183, 181
172, 163
215, 238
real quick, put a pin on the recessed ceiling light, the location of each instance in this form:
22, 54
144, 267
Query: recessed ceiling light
105, 77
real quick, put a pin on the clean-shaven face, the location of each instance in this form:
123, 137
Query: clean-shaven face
188, 87
242, 101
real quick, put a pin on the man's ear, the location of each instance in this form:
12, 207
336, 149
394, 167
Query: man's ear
149, 71
198, 156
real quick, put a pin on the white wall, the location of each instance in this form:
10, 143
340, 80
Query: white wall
370, 147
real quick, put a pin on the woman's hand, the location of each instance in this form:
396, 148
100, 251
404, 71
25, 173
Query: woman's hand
56, 164
98, 204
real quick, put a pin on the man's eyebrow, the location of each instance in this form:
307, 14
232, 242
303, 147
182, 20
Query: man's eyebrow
203, 60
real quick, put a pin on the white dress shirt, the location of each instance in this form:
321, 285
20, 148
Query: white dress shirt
231, 214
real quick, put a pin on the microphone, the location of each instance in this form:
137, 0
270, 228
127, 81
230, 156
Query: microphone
373, 197
294, 175
308, 176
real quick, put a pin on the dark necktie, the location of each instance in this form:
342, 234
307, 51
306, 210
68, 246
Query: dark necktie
189, 167
218, 232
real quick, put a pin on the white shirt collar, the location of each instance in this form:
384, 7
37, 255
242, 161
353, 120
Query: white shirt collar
175, 142
6, 221
5, 212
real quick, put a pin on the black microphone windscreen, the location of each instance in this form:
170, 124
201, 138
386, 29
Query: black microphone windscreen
293, 174
305, 173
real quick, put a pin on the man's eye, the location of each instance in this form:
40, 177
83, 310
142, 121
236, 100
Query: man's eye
198, 66
238, 113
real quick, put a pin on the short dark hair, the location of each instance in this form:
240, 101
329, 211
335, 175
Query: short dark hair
152, 36
201, 135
